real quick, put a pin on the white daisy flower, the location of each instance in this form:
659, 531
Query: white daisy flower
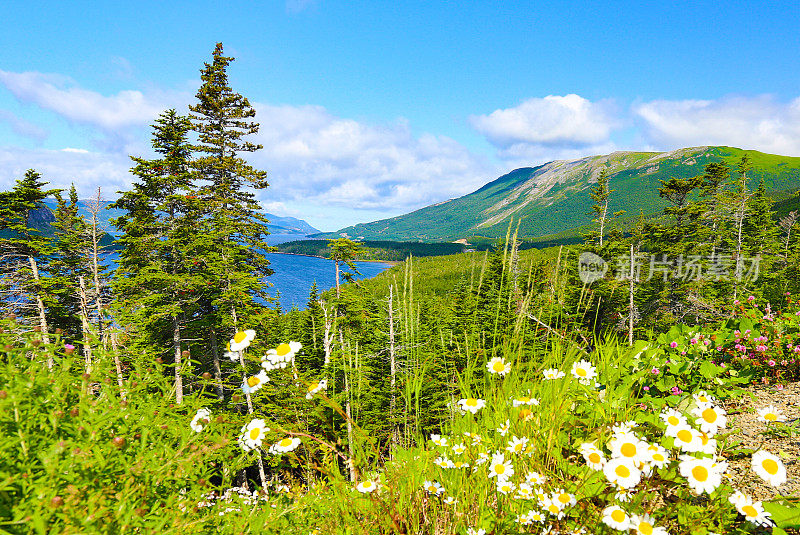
659, 456
623, 427
622, 472
473, 531
504, 486
253, 434
536, 516
535, 478
616, 517
233, 355
645, 525
752, 511
674, 421
770, 414
500, 468
563, 498
524, 400
472, 405
483, 457
631, 447
241, 340
553, 508
624, 495
439, 440
476, 439
524, 492
449, 500
459, 464
503, 429
255, 382
458, 449
702, 475
517, 445
284, 353
316, 386
366, 487
443, 462
285, 445
498, 366
769, 467
200, 420
688, 439
703, 398
433, 487
584, 371
710, 418
592, 455
553, 373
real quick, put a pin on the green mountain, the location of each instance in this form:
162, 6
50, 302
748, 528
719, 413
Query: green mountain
554, 198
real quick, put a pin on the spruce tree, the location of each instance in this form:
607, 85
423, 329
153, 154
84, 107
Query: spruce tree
235, 227
158, 281
25, 252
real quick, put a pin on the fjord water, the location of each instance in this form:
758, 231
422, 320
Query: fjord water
295, 274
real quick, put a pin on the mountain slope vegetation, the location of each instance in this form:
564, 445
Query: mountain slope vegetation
554, 197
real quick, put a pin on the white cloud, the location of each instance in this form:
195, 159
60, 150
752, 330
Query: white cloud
60, 168
59, 94
554, 122
314, 156
759, 123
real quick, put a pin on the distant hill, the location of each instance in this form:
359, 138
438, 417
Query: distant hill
554, 198
277, 224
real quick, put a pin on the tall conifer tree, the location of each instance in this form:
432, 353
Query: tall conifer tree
235, 227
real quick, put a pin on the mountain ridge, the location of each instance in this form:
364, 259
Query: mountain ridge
554, 197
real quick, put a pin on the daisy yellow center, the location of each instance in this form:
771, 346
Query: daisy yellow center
313, 386
285, 443
704, 438
702, 399
498, 366
658, 457
770, 417
673, 420
368, 485
431, 489
254, 433
710, 415
506, 488
581, 372
622, 471
553, 508
253, 381
563, 498
517, 447
524, 399
750, 511
594, 458
283, 349
770, 466
239, 337
645, 528
472, 402
618, 515
500, 469
628, 449
700, 473
684, 435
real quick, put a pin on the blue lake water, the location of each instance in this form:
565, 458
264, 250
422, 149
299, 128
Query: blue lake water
295, 274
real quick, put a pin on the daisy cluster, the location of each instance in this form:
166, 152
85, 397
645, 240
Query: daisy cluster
629, 457
253, 433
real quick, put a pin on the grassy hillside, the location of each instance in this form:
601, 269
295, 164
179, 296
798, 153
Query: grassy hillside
554, 197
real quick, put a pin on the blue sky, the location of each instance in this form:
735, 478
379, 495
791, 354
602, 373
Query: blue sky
373, 109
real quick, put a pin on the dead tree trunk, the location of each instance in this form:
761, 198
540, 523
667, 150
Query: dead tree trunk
40, 306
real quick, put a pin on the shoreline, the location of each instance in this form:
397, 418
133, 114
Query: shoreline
391, 263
